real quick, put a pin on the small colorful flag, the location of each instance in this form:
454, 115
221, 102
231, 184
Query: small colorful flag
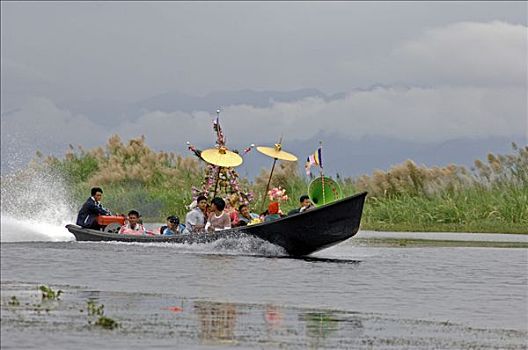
313, 159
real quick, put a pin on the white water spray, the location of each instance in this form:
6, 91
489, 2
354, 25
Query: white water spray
35, 207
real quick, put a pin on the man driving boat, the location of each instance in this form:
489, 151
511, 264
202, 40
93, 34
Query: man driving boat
91, 209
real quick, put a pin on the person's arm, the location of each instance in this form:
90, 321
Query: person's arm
226, 222
106, 211
209, 225
198, 227
201, 221
233, 217
94, 209
192, 222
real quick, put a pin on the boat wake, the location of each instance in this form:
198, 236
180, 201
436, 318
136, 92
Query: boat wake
248, 246
23, 230
35, 206
245, 245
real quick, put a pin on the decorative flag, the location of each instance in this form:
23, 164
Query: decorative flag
314, 159
220, 139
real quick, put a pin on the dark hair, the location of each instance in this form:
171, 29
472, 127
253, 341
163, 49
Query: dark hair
219, 203
241, 206
303, 198
133, 212
174, 219
200, 198
95, 190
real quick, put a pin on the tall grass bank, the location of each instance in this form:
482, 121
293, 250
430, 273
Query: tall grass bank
492, 196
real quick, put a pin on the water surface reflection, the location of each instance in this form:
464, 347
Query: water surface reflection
158, 320
217, 321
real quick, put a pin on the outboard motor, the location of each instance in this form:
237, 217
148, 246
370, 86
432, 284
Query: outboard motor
111, 223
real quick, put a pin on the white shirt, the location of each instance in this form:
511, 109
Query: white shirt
193, 218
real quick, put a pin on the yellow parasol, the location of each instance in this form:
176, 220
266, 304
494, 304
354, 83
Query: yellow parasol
222, 158
276, 153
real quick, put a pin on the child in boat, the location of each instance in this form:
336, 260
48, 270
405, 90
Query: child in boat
173, 226
218, 219
133, 227
231, 209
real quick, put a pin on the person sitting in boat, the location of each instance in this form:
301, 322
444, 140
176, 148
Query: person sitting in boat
305, 204
218, 219
173, 226
91, 209
274, 212
231, 209
245, 216
196, 219
133, 227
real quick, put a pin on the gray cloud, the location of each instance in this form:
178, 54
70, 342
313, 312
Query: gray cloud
467, 53
135, 50
41, 123
77, 72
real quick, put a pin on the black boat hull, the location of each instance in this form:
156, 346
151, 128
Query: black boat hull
299, 234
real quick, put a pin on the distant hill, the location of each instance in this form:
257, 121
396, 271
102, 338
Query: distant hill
180, 102
112, 113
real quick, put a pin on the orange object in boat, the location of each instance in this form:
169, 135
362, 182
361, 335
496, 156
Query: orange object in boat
105, 220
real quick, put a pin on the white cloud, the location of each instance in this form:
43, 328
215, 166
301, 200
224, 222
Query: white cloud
417, 114
41, 123
413, 114
409, 114
169, 129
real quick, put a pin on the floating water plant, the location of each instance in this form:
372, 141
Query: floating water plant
14, 301
50, 294
98, 310
94, 309
106, 323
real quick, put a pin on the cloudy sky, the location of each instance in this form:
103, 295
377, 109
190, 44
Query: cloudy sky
426, 73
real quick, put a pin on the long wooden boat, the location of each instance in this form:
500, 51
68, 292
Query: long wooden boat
299, 234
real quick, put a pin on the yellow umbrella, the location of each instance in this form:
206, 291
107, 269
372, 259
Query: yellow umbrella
275, 152
222, 158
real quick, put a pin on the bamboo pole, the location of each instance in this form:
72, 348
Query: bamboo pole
268, 184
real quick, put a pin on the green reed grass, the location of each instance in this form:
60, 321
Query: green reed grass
493, 197
490, 197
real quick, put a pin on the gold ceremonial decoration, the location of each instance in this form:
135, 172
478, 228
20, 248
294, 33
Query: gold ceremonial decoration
221, 157
277, 152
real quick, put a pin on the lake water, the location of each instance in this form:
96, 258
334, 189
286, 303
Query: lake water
376, 290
